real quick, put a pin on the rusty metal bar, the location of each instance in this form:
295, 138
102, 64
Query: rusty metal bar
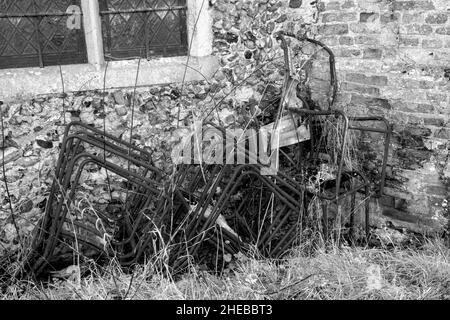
336, 113
387, 139
332, 60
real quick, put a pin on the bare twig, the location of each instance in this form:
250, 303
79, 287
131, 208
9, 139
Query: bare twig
13, 218
104, 127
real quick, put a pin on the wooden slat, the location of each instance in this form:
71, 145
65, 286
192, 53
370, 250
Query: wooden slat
290, 132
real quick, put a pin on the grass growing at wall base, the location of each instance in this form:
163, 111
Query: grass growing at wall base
346, 273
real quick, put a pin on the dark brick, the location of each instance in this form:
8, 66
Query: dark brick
346, 41
371, 53
436, 18
369, 40
363, 89
370, 80
389, 17
444, 31
413, 158
400, 204
343, 52
437, 190
331, 29
387, 201
370, 102
409, 42
434, 122
368, 16
338, 17
425, 108
412, 5
401, 215
416, 133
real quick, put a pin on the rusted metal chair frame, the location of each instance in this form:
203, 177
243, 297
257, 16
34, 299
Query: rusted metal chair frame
386, 131
170, 194
234, 174
72, 156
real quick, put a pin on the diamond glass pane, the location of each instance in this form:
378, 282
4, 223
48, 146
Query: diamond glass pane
35, 33
132, 28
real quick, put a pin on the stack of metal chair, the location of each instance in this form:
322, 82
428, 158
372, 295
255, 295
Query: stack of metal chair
205, 212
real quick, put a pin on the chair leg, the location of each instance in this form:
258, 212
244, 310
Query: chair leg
366, 211
338, 223
352, 218
325, 220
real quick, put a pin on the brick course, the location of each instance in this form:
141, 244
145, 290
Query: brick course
408, 43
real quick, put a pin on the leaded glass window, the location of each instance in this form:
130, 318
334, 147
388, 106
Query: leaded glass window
41, 33
143, 28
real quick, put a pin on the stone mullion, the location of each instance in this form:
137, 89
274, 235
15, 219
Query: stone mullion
93, 32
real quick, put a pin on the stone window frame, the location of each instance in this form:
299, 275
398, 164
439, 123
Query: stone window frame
27, 82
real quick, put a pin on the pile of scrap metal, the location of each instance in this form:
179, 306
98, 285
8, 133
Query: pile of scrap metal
204, 212
165, 217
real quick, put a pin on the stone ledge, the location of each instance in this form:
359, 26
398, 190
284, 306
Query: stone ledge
28, 82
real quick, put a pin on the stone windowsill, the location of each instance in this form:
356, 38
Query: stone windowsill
27, 82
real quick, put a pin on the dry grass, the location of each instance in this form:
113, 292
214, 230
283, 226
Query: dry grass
346, 273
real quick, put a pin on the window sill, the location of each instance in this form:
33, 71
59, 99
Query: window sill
28, 82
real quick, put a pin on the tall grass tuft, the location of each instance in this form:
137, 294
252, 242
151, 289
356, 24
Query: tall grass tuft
336, 273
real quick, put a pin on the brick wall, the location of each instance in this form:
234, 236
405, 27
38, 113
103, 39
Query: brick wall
393, 59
